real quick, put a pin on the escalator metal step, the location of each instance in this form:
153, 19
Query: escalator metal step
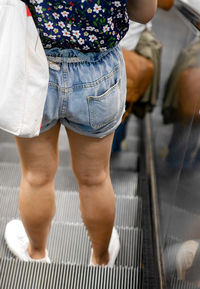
172, 246
6, 137
19, 275
133, 129
69, 242
124, 161
120, 161
124, 183
128, 209
177, 284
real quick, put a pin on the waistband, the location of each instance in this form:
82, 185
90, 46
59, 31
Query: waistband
74, 56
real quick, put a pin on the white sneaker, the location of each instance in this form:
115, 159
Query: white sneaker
113, 249
17, 241
185, 257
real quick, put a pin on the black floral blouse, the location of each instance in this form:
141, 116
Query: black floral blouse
86, 25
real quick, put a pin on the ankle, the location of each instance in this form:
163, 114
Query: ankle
36, 253
100, 260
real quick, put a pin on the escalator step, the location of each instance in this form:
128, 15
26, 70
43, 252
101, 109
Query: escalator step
9, 153
124, 183
128, 209
18, 275
69, 242
133, 129
178, 284
122, 160
6, 137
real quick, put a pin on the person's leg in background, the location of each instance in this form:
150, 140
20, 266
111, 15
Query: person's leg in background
39, 161
90, 162
119, 136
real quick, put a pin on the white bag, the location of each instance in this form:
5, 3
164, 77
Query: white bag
24, 72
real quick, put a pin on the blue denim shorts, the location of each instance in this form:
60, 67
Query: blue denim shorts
86, 92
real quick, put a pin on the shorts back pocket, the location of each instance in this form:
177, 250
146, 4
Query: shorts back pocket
105, 107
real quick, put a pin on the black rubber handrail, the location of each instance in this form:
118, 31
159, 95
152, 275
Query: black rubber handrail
189, 12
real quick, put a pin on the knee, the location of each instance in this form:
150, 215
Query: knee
89, 179
40, 177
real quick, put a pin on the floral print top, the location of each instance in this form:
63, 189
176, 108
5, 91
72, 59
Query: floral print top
86, 25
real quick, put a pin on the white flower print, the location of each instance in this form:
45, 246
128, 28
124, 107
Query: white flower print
65, 13
109, 20
69, 26
117, 3
81, 41
102, 49
61, 24
86, 47
106, 28
90, 28
76, 33
97, 8
38, 9
49, 25
52, 37
119, 15
66, 33
92, 38
56, 15
72, 39
57, 25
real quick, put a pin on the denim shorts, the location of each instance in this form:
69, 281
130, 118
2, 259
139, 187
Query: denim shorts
86, 92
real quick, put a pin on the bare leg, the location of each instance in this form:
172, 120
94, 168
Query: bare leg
39, 161
90, 162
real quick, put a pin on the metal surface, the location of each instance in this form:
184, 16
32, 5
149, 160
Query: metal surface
128, 209
124, 183
189, 12
69, 243
65, 276
155, 210
122, 161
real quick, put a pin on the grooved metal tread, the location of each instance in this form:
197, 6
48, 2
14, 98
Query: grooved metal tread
128, 209
69, 243
177, 284
6, 137
122, 161
124, 182
17, 275
172, 246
